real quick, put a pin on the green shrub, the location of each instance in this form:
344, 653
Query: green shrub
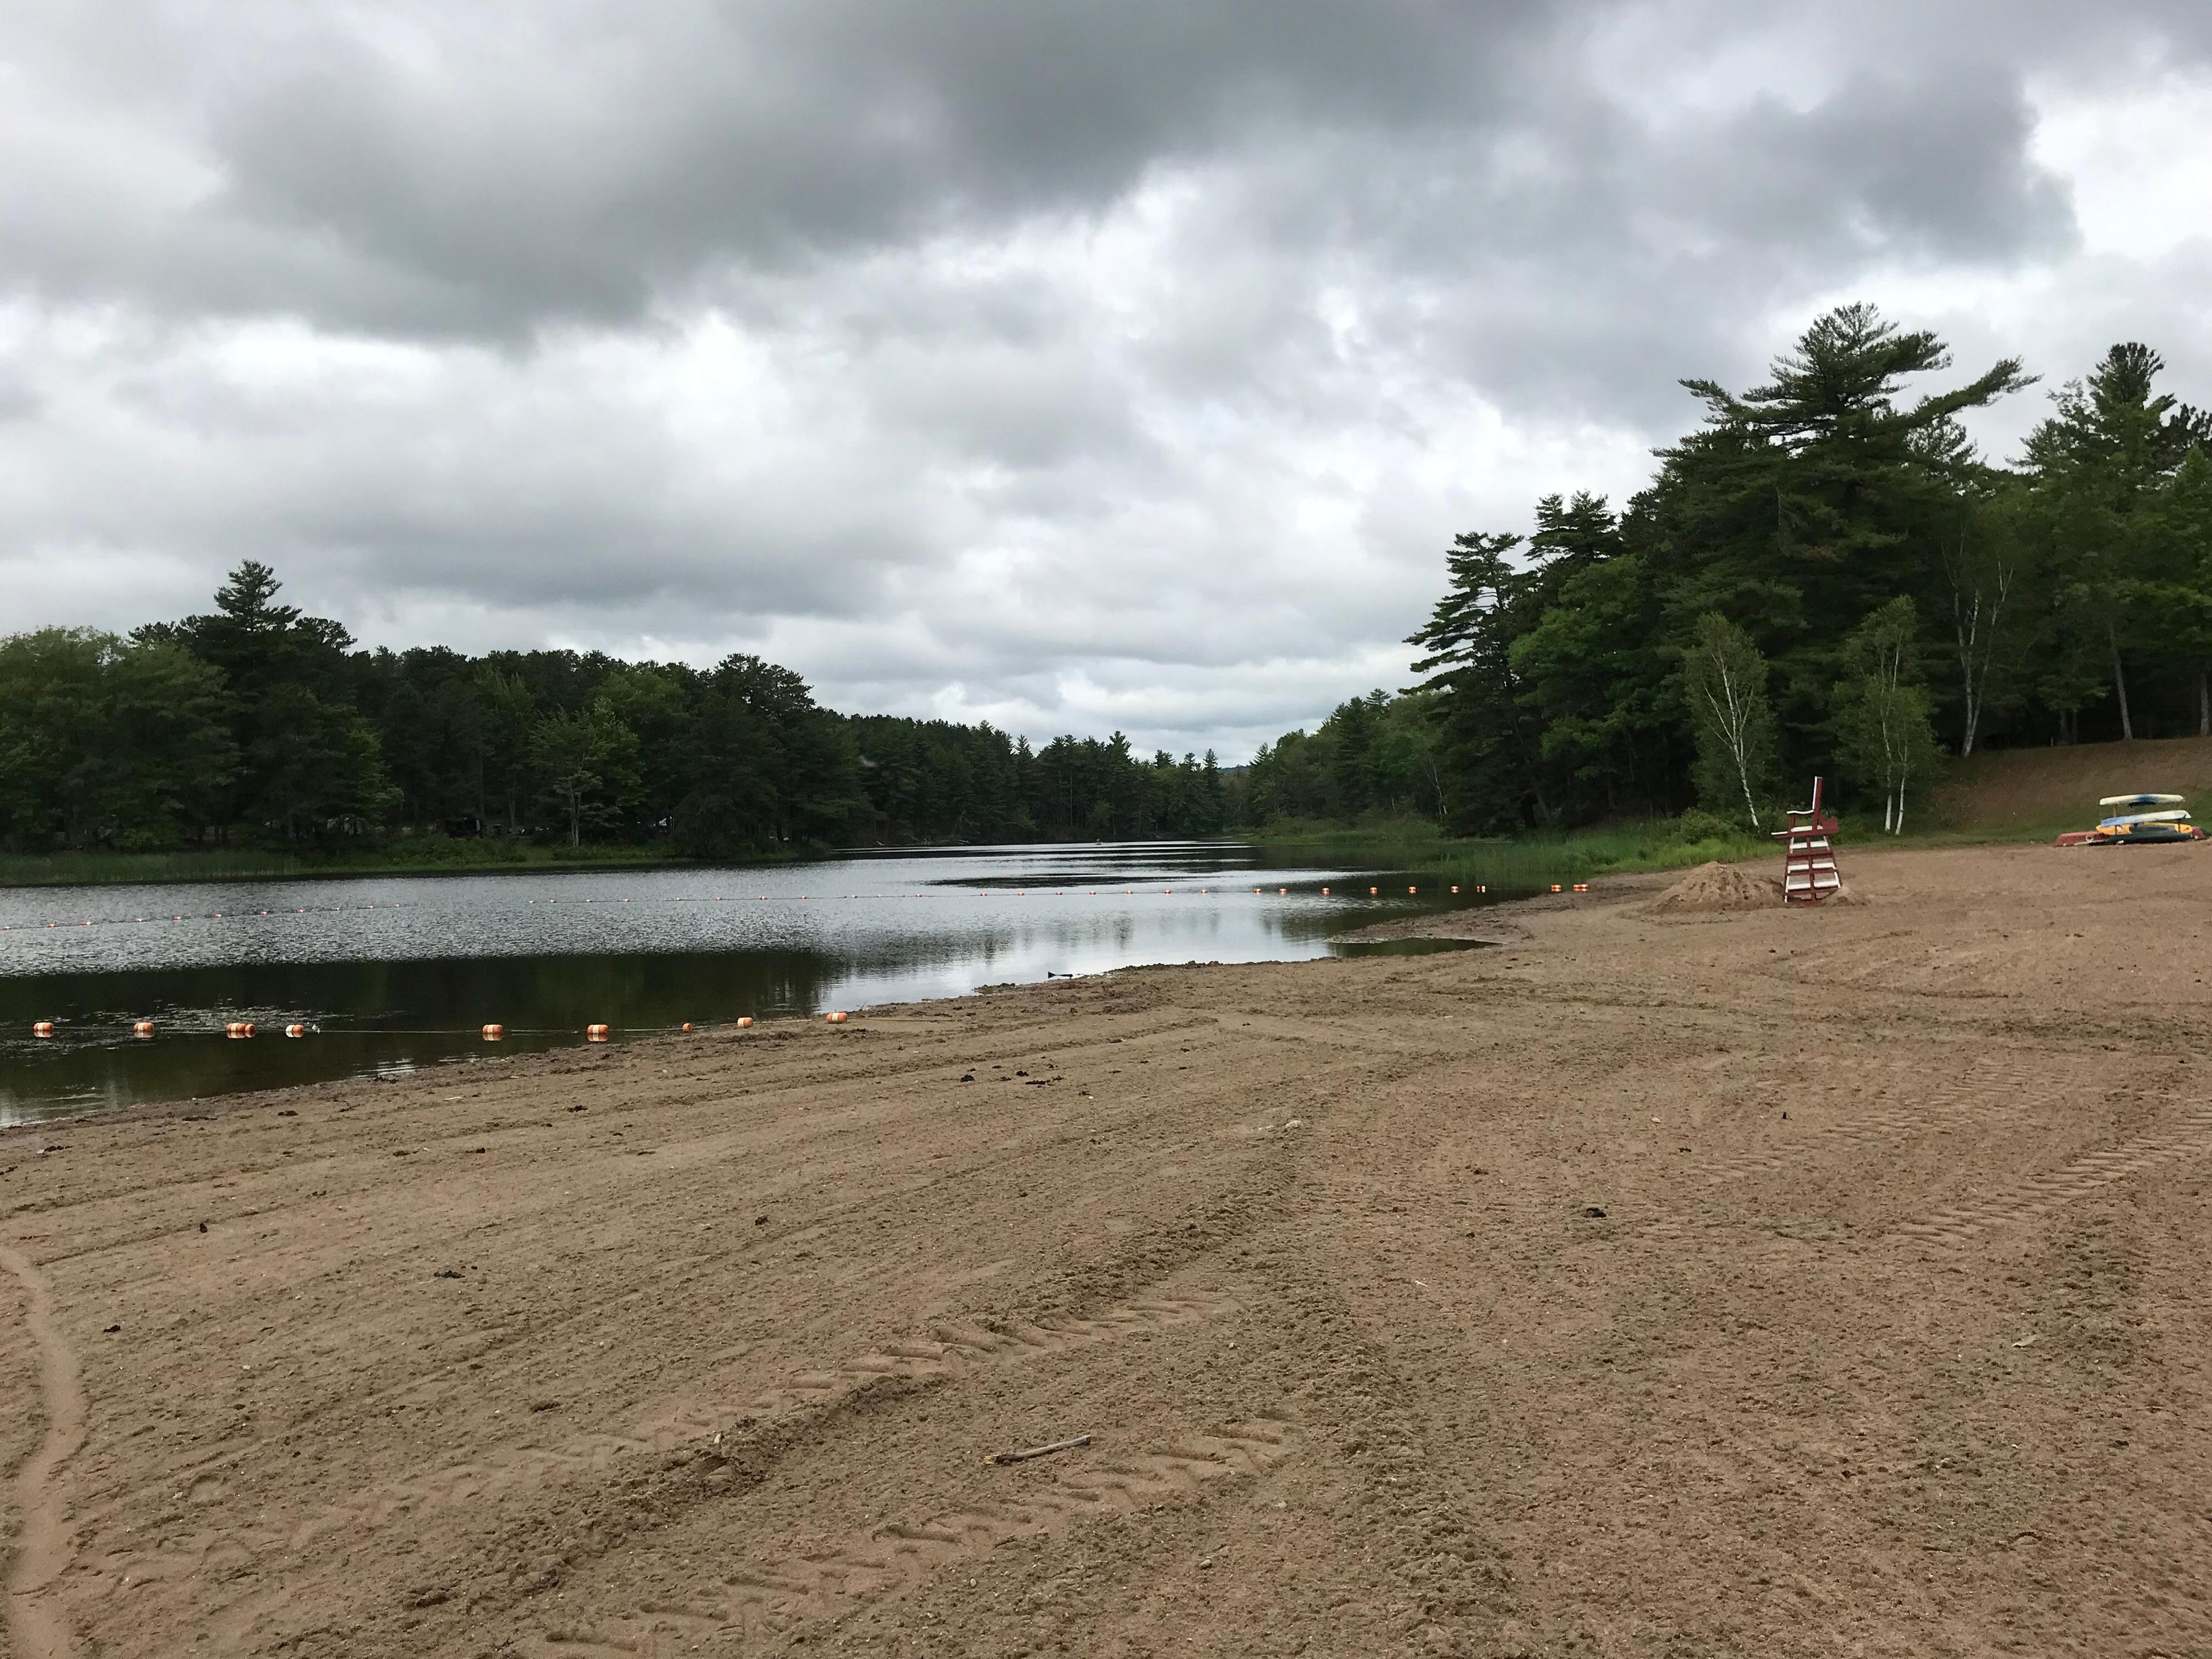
1697, 824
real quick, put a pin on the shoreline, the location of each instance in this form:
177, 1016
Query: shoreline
1466, 1301
1486, 923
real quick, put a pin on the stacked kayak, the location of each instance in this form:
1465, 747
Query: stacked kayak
2136, 819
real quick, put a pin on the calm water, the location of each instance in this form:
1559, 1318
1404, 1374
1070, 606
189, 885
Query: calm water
390, 975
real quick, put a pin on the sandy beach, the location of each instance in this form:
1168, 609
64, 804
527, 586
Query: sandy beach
1759, 1283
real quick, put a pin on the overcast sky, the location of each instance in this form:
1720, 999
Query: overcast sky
1073, 366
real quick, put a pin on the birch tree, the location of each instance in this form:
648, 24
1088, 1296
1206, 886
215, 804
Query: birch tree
1981, 579
1887, 736
1724, 683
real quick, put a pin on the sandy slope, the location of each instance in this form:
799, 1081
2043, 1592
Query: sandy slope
1313, 1252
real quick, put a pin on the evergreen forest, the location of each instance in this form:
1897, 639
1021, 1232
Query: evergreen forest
1824, 574
255, 723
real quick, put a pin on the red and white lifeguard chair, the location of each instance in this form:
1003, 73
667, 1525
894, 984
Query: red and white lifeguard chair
1808, 867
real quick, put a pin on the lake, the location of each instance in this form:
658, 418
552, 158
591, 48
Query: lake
391, 974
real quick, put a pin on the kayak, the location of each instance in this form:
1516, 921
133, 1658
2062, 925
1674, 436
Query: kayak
2142, 800
2179, 816
2149, 832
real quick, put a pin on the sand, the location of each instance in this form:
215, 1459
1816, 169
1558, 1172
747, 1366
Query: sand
1760, 1282
1721, 887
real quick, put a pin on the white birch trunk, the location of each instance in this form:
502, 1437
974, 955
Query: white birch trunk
2120, 684
1977, 633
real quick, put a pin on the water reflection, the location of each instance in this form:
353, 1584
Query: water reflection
393, 974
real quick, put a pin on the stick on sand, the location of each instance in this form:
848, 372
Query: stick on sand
1040, 1451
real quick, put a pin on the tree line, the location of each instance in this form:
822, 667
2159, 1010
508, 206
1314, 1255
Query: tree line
1823, 575
255, 723
1826, 576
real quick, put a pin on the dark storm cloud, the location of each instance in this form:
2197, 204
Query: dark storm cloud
1075, 364
487, 168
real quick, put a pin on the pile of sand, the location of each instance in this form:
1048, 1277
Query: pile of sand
1720, 887
1731, 887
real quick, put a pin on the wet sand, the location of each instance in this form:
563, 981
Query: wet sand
1769, 1283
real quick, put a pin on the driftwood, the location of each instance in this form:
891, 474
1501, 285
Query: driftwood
1024, 1456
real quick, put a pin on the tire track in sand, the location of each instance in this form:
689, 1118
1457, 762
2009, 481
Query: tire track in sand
2039, 1195
36, 1628
945, 1351
1991, 1093
765, 1602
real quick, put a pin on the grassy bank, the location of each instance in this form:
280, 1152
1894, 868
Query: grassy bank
413, 856
2021, 794
2016, 795
1525, 863
1531, 862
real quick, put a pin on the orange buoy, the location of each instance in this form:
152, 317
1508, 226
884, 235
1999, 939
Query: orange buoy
1281, 891
1555, 887
239, 1028
1372, 891
494, 1033
595, 1033
837, 1017
43, 1028
1581, 887
743, 1020
687, 1023
1454, 889
142, 1028
295, 1031
1412, 889
1324, 892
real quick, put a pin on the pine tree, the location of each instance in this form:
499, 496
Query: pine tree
2102, 460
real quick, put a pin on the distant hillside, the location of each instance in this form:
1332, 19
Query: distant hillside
2059, 787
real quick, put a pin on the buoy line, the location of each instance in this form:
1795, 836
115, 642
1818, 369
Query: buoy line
142, 1029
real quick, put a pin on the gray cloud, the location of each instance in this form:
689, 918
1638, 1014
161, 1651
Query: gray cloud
1079, 365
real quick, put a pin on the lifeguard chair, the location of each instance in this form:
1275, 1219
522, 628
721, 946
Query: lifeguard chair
1808, 866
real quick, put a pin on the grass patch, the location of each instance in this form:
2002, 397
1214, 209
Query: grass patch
1526, 863
2018, 796
1530, 863
2011, 794
1371, 831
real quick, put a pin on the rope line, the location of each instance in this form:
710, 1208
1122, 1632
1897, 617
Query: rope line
103, 1028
